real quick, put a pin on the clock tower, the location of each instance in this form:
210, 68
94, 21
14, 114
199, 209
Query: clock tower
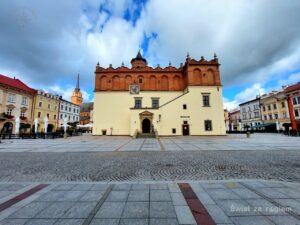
76, 97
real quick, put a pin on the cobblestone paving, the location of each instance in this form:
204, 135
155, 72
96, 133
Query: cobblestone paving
107, 143
147, 166
154, 203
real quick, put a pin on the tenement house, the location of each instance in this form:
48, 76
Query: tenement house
168, 101
250, 114
274, 110
68, 112
15, 102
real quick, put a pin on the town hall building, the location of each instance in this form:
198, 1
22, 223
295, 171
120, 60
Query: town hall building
166, 101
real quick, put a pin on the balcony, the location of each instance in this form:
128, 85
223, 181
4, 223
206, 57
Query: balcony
7, 116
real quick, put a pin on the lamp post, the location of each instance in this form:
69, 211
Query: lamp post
35, 125
65, 127
17, 125
46, 124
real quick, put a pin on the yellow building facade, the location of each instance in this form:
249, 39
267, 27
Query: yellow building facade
46, 105
168, 101
274, 110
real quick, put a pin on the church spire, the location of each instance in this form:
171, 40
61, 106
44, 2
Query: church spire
77, 84
76, 97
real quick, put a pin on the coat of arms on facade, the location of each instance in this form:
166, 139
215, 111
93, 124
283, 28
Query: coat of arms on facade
134, 89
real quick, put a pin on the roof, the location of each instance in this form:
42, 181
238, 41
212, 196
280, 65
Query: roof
292, 88
15, 83
139, 57
253, 100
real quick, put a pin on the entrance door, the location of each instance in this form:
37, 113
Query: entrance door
185, 129
7, 128
146, 124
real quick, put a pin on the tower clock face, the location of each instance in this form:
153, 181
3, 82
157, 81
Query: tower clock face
134, 89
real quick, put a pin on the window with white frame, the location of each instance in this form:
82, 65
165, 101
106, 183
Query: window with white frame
9, 111
24, 100
22, 114
11, 98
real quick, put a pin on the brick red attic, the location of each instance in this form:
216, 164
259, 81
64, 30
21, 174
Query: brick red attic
16, 84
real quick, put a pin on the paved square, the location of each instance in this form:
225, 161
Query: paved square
181, 209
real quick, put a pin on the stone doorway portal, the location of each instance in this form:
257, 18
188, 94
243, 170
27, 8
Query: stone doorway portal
146, 118
146, 126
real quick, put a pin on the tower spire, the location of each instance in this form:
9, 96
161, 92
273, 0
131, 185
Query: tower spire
77, 84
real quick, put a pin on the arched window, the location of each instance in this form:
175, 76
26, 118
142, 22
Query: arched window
103, 83
116, 82
165, 83
197, 76
128, 81
176, 82
153, 82
210, 77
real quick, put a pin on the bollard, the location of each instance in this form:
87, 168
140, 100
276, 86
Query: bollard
248, 134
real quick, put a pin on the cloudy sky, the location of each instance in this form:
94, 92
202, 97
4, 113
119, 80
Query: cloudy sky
46, 44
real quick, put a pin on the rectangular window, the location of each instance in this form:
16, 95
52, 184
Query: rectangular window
61, 107
40, 104
61, 116
39, 114
70, 109
48, 106
48, 115
138, 103
54, 117
24, 100
11, 98
205, 100
184, 106
295, 101
155, 103
22, 114
66, 108
208, 125
264, 108
274, 106
269, 107
276, 116
256, 114
173, 131
283, 104
296, 113
284, 114
9, 112
270, 116
265, 117
298, 99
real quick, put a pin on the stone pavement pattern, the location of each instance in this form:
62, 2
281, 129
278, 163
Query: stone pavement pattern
241, 202
111, 143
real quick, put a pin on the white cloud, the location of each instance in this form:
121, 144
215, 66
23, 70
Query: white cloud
255, 41
243, 96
